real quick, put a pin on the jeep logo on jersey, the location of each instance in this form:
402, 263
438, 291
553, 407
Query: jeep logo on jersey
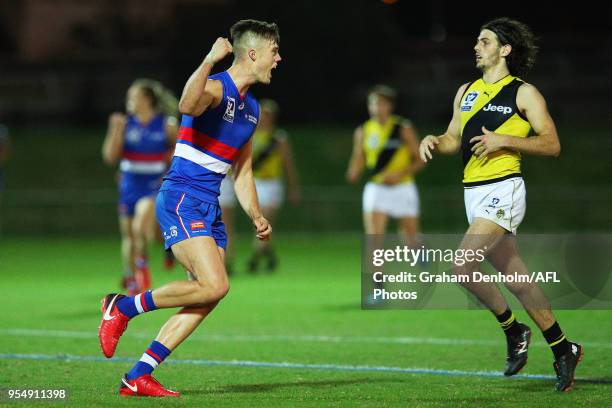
230, 110
469, 100
494, 108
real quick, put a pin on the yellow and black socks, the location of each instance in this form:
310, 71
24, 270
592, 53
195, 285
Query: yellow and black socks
509, 324
556, 340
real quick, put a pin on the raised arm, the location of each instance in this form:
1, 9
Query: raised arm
450, 141
357, 162
545, 142
113, 142
200, 93
244, 186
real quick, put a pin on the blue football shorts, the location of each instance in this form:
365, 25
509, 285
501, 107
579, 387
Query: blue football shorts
182, 216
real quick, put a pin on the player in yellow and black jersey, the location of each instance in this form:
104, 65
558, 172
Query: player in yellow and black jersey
386, 147
492, 118
273, 168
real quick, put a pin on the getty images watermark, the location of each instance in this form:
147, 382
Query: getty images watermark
442, 271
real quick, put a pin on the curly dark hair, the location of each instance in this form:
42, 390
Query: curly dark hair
522, 40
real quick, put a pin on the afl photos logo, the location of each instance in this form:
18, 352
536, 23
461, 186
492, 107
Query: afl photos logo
230, 110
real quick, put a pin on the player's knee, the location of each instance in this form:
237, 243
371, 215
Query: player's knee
213, 291
220, 290
127, 239
139, 229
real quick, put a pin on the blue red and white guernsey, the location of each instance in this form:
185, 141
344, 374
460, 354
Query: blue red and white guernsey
206, 147
144, 161
208, 144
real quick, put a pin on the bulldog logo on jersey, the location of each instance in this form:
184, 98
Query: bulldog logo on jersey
230, 110
468, 101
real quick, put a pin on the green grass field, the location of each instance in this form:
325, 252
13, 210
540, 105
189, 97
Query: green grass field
306, 315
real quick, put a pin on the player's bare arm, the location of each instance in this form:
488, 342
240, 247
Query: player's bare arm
199, 93
113, 142
545, 142
450, 141
293, 182
247, 194
410, 138
357, 162
171, 128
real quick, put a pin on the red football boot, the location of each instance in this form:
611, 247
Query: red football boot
113, 324
144, 386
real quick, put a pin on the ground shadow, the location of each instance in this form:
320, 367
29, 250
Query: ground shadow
267, 387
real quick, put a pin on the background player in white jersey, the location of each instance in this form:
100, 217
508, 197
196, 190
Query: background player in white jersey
272, 160
141, 142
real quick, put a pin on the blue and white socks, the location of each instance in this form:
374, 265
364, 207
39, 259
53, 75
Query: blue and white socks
151, 358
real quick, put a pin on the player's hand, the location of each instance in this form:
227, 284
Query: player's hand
263, 228
117, 120
220, 49
487, 143
352, 176
427, 146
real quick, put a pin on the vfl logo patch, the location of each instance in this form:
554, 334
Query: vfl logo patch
494, 202
173, 231
197, 225
469, 101
230, 110
372, 140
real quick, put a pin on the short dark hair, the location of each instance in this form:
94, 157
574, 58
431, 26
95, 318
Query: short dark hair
385, 91
261, 29
518, 35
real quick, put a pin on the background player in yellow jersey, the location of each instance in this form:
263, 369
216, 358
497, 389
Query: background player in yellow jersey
272, 160
492, 117
387, 145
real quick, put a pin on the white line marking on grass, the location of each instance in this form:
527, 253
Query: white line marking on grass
286, 338
264, 364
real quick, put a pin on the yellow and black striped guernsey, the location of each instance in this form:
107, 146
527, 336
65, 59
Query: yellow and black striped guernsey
267, 161
494, 107
384, 149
